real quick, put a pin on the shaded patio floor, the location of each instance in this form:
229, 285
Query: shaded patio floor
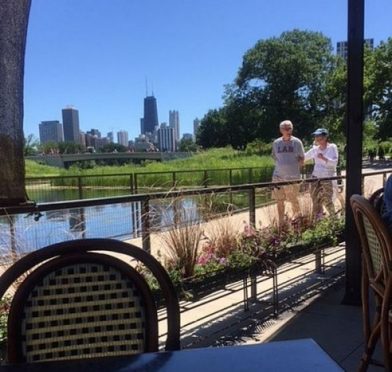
335, 327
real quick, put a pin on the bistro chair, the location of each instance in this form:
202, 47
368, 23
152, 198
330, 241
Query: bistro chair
377, 200
376, 243
80, 301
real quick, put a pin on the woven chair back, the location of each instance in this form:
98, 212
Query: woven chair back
375, 239
81, 306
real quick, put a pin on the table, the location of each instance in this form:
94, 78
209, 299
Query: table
295, 355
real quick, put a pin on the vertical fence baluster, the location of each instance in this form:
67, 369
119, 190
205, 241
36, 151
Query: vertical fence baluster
252, 207
205, 180
253, 287
230, 183
275, 291
246, 300
131, 183
146, 240
174, 180
135, 183
80, 187
318, 262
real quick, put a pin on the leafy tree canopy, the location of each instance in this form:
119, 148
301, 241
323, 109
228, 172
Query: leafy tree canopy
296, 76
113, 147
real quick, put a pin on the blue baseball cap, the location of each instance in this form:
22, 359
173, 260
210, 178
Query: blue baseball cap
321, 132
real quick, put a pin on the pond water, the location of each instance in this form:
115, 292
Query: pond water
29, 232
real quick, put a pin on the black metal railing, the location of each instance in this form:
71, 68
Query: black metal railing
19, 226
55, 188
142, 205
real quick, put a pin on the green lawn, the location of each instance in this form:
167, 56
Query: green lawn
211, 159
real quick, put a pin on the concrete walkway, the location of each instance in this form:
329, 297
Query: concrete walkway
337, 328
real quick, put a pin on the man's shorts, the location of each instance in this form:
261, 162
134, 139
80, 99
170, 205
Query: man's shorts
286, 192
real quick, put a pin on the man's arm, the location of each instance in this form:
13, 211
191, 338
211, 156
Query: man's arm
301, 153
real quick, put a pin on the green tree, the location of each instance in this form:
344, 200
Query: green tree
113, 147
284, 78
31, 145
212, 131
70, 148
187, 145
14, 15
378, 95
49, 148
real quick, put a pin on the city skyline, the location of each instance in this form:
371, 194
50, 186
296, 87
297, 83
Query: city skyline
55, 131
97, 56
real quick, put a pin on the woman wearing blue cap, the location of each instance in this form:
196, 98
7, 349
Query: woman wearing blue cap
325, 155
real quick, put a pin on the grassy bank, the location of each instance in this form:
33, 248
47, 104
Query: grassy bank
34, 169
217, 161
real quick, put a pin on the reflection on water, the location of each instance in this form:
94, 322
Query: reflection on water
123, 221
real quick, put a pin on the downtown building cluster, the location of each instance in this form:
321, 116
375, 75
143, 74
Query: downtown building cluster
153, 136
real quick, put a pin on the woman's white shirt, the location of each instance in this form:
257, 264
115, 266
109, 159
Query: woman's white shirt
324, 168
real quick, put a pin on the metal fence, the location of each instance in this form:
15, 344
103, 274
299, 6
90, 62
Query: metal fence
57, 188
132, 216
27, 228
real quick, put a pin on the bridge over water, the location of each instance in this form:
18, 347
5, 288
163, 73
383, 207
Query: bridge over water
65, 160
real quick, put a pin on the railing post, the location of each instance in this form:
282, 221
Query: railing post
205, 180
80, 187
318, 262
246, 300
146, 240
275, 291
11, 221
131, 183
174, 180
135, 183
252, 207
253, 287
384, 179
230, 183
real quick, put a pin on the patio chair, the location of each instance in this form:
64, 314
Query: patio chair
80, 301
377, 200
376, 243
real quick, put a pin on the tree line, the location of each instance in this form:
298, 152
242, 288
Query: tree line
296, 76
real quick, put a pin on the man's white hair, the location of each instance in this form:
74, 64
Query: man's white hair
285, 123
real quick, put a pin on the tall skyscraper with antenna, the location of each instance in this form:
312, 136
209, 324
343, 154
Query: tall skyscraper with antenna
150, 119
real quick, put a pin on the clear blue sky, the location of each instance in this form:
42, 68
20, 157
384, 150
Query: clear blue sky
97, 54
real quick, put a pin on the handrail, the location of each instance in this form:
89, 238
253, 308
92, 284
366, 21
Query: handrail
146, 173
144, 199
50, 206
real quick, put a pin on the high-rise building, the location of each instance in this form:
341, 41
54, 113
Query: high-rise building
94, 132
51, 131
110, 137
166, 140
342, 47
150, 119
71, 125
122, 138
196, 125
174, 122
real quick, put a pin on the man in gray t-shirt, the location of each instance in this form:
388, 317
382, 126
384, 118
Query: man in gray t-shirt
288, 153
